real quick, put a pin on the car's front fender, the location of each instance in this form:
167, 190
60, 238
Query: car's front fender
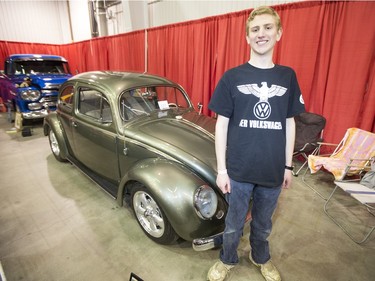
51, 122
173, 187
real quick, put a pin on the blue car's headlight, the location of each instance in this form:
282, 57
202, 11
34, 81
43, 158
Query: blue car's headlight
34, 106
30, 95
205, 202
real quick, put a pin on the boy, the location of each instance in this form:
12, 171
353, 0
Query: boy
256, 103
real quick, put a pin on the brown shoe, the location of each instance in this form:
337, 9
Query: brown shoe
268, 270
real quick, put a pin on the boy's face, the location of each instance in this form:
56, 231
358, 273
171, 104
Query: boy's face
263, 34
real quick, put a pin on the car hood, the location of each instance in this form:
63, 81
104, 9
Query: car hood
187, 138
47, 81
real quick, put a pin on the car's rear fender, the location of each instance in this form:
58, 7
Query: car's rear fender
173, 186
51, 122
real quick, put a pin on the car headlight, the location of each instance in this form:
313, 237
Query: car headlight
34, 106
30, 95
205, 202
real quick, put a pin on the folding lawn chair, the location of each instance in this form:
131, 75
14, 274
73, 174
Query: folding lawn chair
362, 194
351, 157
309, 133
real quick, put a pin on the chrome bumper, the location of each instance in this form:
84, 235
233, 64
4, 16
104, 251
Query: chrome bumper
35, 114
206, 243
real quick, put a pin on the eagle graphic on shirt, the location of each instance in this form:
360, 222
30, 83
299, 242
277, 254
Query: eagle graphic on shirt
262, 109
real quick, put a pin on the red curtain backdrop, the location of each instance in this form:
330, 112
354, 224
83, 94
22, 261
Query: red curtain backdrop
330, 44
120, 52
7, 48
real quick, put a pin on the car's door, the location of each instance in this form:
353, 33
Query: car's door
94, 133
65, 109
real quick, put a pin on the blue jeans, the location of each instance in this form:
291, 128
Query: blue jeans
264, 205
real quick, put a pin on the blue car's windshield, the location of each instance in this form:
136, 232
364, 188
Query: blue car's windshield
39, 67
145, 100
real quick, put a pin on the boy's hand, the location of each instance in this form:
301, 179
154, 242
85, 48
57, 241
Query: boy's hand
287, 179
223, 183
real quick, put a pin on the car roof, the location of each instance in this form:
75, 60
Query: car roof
120, 81
35, 57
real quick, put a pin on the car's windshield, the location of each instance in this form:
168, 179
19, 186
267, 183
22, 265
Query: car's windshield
39, 67
145, 100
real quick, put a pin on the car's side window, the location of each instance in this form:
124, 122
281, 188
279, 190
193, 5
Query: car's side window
66, 96
94, 104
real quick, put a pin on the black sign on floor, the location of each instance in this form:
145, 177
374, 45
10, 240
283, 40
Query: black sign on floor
134, 277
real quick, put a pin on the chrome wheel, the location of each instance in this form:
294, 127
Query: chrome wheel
55, 147
53, 143
148, 214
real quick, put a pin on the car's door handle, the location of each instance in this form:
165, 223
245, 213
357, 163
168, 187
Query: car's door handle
75, 125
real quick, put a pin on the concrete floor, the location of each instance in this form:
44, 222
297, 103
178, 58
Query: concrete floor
55, 224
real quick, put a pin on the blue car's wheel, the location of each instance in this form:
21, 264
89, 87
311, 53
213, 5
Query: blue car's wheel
151, 217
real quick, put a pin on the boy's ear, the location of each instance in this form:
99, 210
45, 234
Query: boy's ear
279, 33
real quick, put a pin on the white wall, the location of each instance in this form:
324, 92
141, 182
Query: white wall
33, 21
80, 21
67, 21
167, 12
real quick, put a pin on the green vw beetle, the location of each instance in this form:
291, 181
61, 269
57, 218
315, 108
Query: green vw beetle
139, 137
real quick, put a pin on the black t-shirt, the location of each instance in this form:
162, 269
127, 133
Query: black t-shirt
257, 101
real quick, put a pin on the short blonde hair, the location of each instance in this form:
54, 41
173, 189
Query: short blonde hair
263, 10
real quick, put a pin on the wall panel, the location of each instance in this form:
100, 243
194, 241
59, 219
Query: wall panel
67, 21
33, 21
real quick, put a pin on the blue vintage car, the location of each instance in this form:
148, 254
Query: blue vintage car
30, 83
